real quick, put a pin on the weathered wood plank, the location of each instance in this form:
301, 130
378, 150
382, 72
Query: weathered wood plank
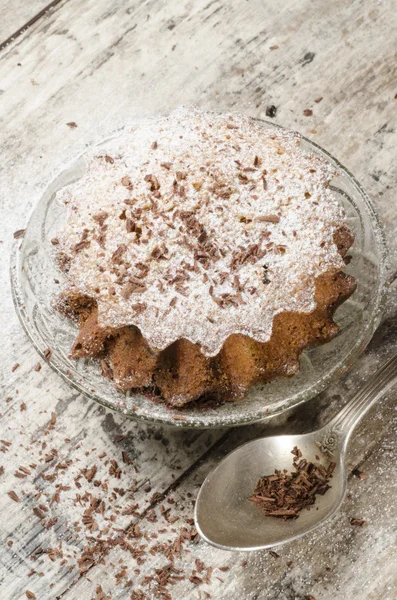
27, 536
100, 66
17, 16
326, 561
153, 459
336, 561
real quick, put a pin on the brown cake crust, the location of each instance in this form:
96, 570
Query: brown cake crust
181, 373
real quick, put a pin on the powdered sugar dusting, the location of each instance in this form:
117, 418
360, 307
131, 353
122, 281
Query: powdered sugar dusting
199, 225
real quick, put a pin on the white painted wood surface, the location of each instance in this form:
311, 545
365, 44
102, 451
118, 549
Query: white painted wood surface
17, 15
100, 64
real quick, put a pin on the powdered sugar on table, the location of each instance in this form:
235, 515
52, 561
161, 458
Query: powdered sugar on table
198, 225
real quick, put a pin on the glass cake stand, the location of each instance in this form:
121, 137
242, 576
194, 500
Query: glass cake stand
33, 280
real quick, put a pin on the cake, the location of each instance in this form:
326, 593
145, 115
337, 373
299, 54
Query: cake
202, 254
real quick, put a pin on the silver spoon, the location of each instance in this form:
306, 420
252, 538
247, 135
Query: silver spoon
223, 515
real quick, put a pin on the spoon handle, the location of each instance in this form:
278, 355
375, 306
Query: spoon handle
338, 431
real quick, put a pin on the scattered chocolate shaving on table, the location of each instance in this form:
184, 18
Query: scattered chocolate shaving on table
360, 474
14, 368
53, 420
268, 218
307, 112
265, 277
317, 100
90, 473
19, 233
14, 496
271, 111
24, 470
72, 125
47, 354
100, 594
284, 494
358, 522
38, 512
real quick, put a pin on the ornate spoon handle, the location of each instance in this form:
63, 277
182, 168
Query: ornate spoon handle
338, 431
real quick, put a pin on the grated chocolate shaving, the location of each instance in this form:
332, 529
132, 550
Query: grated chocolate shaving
126, 181
358, 522
139, 307
268, 218
13, 496
80, 245
284, 495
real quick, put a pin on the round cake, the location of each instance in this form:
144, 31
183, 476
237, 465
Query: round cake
202, 252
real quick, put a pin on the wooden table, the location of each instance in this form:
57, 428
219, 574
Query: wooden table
97, 64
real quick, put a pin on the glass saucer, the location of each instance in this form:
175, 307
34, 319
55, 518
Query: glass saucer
33, 280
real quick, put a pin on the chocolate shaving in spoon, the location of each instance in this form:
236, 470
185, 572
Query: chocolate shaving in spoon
284, 494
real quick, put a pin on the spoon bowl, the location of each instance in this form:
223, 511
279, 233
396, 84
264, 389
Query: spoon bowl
225, 517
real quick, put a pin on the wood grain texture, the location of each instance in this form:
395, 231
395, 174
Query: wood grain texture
16, 17
337, 560
101, 64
